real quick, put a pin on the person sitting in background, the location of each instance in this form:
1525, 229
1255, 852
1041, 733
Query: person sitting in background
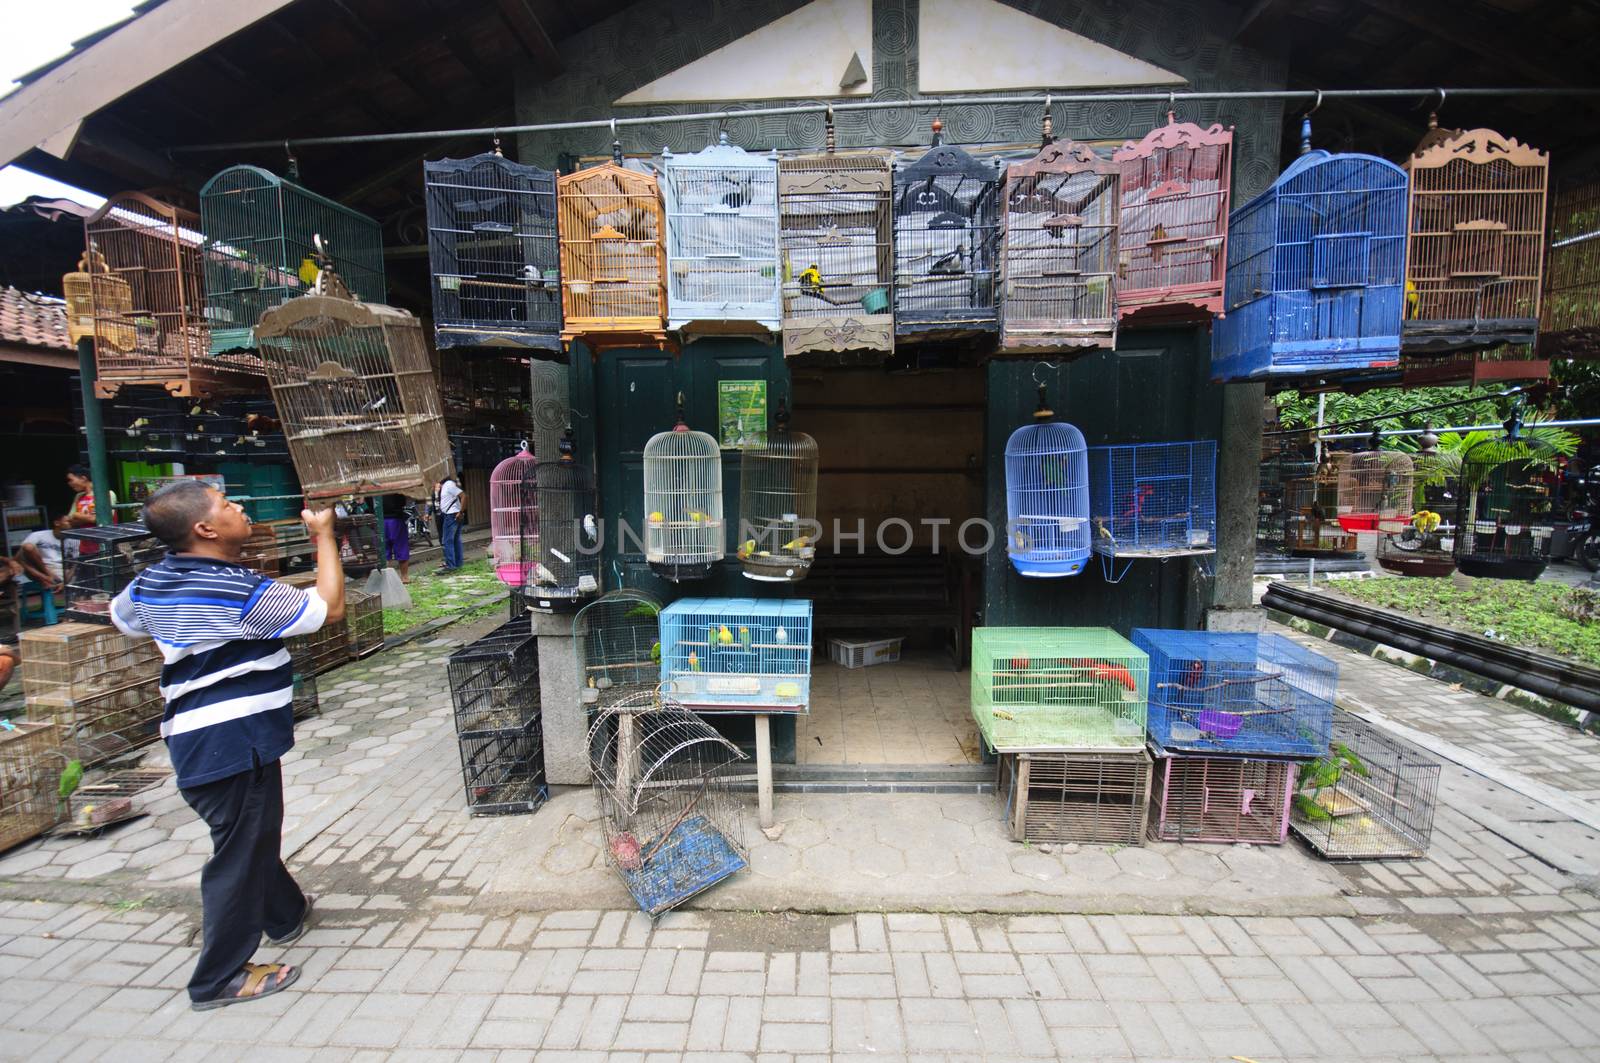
40, 555
397, 535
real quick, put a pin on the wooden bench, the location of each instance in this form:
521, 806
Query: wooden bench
889, 595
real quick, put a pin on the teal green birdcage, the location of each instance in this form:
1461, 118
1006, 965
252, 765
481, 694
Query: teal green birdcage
260, 249
1058, 688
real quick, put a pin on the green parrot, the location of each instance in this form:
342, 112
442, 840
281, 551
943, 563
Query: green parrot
71, 776
655, 653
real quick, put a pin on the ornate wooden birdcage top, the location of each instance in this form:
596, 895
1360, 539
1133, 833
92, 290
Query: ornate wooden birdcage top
613, 255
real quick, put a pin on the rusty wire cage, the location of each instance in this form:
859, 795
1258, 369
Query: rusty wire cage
30, 767
837, 235
324, 649
1569, 323
722, 241
356, 394
1475, 248
1372, 797
100, 561
613, 256
492, 248
1173, 232
1311, 512
778, 505
363, 620
663, 779
617, 638
1083, 798
146, 281
569, 530
261, 249
683, 532
1059, 251
1374, 491
514, 518
946, 244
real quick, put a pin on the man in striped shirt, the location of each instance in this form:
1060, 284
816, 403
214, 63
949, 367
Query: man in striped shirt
228, 684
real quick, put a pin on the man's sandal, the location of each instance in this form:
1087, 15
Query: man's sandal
298, 932
251, 984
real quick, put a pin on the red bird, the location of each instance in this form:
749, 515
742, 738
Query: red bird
1113, 672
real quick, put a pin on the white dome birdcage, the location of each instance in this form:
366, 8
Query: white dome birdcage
778, 505
514, 519
683, 528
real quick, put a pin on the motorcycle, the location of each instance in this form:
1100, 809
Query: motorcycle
1582, 544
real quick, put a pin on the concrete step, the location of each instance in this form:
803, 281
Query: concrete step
880, 778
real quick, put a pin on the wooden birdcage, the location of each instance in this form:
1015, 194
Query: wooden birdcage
1476, 240
946, 244
1059, 251
617, 638
514, 518
1424, 545
778, 505
1311, 512
492, 248
1047, 497
569, 533
613, 256
356, 395
1173, 235
147, 304
1316, 271
1374, 491
262, 249
838, 262
1569, 323
30, 769
683, 530
722, 242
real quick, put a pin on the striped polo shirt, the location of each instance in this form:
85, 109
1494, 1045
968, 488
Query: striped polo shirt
226, 678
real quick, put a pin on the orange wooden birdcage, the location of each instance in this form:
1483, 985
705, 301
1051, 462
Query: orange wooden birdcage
613, 261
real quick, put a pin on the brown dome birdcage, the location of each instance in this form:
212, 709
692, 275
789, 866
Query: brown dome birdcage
1311, 512
1423, 545
778, 505
1374, 490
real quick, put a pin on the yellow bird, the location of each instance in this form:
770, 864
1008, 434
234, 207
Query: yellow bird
308, 271
725, 636
744, 637
694, 661
799, 542
656, 517
747, 548
1413, 301
811, 280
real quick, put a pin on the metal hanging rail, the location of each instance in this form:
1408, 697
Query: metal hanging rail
1315, 97
1589, 422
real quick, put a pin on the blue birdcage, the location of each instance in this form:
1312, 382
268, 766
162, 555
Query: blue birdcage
1047, 497
739, 654
722, 241
1237, 693
1152, 500
1316, 271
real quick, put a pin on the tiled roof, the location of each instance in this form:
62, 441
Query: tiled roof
33, 320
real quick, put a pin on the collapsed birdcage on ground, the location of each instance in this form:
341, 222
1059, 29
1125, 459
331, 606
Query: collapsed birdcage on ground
1311, 512
261, 234
1372, 796
356, 395
673, 826
568, 571
618, 642
1316, 270
1425, 544
946, 244
838, 257
1221, 799
146, 286
107, 558
1172, 236
778, 505
722, 241
494, 688
1374, 491
1504, 508
683, 532
1059, 251
363, 619
1569, 321
492, 248
31, 761
1076, 798
1237, 693
514, 518
1476, 240
1152, 500
745, 654
613, 256
1047, 497
1058, 688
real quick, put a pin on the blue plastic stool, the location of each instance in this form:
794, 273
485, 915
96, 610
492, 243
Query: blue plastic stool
47, 602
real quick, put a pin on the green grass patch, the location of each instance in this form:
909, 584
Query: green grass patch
459, 594
1540, 616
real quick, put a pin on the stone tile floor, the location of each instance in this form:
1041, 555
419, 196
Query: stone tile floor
914, 711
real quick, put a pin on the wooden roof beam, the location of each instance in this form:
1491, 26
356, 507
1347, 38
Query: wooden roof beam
530, 32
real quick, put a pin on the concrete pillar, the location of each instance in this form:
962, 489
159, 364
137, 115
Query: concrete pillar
566, 723
1238, 498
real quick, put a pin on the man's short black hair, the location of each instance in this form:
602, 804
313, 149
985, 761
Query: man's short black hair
172, 512
79, 469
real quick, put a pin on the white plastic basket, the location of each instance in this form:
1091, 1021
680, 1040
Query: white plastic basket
864, 654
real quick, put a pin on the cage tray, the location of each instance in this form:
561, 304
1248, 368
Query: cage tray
1357, 841
694, 858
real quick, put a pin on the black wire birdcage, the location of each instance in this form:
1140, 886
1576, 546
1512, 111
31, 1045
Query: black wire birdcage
492, 246
494, 689
1504, 508
778, 505
663, 785
568, 569
102, 560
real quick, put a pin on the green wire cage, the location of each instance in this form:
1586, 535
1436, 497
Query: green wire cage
1058, 688
260, 251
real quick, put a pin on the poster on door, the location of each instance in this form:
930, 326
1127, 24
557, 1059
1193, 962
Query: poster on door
742, 413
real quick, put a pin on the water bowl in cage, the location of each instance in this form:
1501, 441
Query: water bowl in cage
590, 695
1126, 728
876, 301
1220, 724
1183, 732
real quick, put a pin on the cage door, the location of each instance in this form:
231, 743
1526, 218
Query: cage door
1340, 260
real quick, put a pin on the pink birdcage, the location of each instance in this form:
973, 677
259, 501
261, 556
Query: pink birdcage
514, 518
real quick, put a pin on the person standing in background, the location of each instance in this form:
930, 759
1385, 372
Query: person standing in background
438, 517
81, 513
396, 535
452, 506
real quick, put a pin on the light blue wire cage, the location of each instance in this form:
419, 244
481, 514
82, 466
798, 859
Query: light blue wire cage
1152, 500
1316, 271
738, 654
1237, 693
1047, 498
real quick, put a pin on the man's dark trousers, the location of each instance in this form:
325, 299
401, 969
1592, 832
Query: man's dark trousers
244, 887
